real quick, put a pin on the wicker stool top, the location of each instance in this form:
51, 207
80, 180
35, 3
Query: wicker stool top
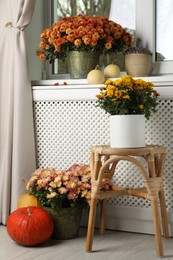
143, 151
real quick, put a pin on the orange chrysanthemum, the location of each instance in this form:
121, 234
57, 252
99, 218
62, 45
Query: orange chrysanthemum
83, 32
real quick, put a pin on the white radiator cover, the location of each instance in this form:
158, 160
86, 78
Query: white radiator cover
68, 123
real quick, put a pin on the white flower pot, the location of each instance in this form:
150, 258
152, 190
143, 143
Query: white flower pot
127, 131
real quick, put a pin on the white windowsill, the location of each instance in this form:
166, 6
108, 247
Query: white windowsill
79, 89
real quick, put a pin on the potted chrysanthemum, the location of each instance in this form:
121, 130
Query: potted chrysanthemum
129, 102
64, 194
82, 34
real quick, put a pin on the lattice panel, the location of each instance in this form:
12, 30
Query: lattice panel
65, 131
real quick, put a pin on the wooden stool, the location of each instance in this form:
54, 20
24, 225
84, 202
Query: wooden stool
103, 164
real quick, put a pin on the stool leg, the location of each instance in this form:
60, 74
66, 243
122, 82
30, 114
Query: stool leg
91, 223
102, 216
164, 214
156, 219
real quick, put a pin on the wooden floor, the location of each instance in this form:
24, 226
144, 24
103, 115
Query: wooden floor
112, 246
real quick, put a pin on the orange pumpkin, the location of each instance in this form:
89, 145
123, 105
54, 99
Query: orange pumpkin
28, 200
30, 226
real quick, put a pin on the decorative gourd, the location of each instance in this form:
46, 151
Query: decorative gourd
111, 71
95, 76
29, 226
28, 200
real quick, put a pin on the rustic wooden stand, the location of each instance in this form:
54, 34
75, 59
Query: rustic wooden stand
103, 163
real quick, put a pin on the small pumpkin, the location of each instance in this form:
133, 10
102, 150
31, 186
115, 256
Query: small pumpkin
28, 200
30, 226
95, 76
111, 71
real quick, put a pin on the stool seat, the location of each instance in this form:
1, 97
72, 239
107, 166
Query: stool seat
103, 162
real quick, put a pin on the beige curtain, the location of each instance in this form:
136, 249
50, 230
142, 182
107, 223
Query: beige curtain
17, 149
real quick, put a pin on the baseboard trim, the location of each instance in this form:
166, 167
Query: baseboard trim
131, 219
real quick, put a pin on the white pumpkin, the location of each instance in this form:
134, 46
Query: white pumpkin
96, 76
111, 71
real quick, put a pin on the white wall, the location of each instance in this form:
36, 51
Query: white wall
32, 40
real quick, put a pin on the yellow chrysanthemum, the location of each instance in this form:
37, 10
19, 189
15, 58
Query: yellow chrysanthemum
110, 91
108, 82
102, 88
118, 82
138, 87
127, 81
126, 97
99, 96
141, 107
139, 81
118, 93
150, 84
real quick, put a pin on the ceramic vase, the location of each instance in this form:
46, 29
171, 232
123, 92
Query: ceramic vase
127, 131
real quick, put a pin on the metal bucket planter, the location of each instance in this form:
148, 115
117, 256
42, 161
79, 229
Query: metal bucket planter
66, 222
80, 63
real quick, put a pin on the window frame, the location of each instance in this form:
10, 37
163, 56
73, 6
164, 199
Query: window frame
145, 29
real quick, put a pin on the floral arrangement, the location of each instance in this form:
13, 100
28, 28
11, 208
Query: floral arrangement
82, 32
128, 96
61, 189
